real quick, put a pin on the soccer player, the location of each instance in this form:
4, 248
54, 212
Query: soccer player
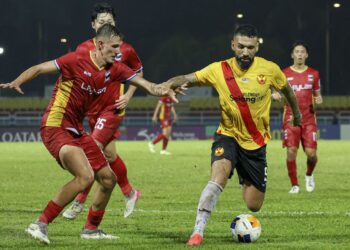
243, 84
83, 77
305, 81
163, 110
104, 119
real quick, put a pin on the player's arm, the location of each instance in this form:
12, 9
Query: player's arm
29, 74
164, 89
156, 111
292, 101
318, 97
123, 100
174, 113
189, 80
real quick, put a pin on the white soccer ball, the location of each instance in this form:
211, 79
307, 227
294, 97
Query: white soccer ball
245, 228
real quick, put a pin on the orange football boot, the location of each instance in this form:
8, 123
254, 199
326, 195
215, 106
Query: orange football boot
195, 240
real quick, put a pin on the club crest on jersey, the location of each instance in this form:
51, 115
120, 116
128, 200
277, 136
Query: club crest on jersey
118, 57
219, 151
261, 79
107, 76
310, 77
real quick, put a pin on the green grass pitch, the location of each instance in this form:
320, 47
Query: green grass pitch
170, 188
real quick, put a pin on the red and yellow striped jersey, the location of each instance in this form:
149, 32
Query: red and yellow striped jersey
80, 83
245, 98
165, 108
106, 101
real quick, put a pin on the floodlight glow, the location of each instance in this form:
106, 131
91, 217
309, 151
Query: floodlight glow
2, 50
261, 40
64, 40
336, 5
240, 15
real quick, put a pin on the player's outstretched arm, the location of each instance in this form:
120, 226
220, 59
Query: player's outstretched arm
164, 89
156, 111
189, 80
29, 74
292, 101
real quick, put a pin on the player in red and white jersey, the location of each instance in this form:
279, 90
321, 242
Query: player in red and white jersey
163, 111
305, 81
104, 119
84, 76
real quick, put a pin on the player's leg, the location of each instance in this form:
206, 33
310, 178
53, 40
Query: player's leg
106, 181
119, 168
74, 160
291, 140
310, 146
167, 133
221, 170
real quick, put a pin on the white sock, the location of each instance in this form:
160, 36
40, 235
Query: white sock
207, 202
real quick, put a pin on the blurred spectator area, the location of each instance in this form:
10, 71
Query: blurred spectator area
21, 111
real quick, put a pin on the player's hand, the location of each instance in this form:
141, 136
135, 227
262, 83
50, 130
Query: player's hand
12, 85
276, 96
122, 102
297, 120
154, 119
318, 99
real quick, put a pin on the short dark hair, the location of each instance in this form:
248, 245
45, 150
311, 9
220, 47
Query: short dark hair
247, 30
299, 43
108, 30
102, 8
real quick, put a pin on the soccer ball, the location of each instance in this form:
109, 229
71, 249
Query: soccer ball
245, 228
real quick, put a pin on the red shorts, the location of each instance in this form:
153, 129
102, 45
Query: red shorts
55, 137
105, 126
307, 134
165, 123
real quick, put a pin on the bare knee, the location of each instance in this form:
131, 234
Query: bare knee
85, 180
106, 178
254, 207
110, 155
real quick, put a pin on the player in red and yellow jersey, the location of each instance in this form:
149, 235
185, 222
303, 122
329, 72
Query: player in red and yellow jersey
84, 76
305, 82
163, 111
243, 84
104, 118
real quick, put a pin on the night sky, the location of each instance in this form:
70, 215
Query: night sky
177, 37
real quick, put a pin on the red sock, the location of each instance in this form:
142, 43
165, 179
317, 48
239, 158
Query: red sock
158, 138
94, 219
81, 197
165, 143
51, 211
120, 171
292, 172
310, 163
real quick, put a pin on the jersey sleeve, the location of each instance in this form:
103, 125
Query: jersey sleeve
66, 63
132, 60
317, 81
206, 76
279, 80
121, 73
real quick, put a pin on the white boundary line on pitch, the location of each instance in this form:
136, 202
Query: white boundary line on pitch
267, 213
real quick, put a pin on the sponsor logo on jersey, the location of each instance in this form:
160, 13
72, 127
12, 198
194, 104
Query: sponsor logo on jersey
92, 90
290, 78
310, 78
219, 151
118, 57
261, 79
300, 87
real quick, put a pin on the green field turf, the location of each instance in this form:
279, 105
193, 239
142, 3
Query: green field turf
170, 187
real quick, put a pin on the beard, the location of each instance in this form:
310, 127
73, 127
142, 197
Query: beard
244, 62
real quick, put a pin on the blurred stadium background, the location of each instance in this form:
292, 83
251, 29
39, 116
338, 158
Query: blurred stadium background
175, 37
